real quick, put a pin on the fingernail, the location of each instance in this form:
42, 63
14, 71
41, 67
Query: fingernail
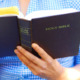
19, 47
16, 51
33, 45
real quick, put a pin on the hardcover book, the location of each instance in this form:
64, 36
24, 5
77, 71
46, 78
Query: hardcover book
58, 35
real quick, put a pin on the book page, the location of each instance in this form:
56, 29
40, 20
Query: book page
46, 13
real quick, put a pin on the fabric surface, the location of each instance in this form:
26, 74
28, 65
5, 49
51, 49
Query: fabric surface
11, 68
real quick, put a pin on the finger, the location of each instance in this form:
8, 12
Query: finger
25, 60
30, 56
36, 70
41, 52
33, 67
32, 70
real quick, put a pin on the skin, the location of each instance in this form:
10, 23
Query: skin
24, 6
46, 66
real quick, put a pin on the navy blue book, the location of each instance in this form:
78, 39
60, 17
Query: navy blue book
58, 35
9, 35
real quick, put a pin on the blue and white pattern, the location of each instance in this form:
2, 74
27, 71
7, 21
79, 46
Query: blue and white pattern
11, 68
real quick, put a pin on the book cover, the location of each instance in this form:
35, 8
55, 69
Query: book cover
58, 35
9, 35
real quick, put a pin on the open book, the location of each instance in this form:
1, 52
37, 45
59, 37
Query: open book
56, 31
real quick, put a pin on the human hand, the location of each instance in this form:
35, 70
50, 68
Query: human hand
45, 67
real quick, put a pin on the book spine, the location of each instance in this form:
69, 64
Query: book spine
25, 34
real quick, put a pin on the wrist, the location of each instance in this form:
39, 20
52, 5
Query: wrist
59, 76
69, 74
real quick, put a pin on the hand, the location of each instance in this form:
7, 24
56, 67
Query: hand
45, 67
